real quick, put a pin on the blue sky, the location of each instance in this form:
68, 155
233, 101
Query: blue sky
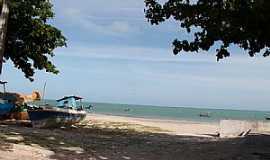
115, 55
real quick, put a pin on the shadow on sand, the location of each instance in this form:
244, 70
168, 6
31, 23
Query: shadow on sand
101, 144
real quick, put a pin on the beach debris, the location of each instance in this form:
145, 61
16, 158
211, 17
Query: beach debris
236, 128
126, 157
102, 157
20, 99
12, 105
77, 150
243, 134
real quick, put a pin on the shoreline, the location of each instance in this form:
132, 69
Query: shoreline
165, 119
175, 127
157, 119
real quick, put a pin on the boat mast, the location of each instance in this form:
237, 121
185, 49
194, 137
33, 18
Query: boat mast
43, 93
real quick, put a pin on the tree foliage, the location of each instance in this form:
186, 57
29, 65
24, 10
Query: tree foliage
245, 23
30, 39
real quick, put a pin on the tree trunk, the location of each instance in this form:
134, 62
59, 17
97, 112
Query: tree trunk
3, 30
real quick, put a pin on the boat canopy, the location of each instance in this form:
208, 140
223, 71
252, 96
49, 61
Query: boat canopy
68, 101
69, 97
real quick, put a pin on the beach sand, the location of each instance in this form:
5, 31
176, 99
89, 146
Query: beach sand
102, 137
173, 127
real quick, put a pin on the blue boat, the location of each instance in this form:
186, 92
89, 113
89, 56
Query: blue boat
7, 104
68, 111
5, 108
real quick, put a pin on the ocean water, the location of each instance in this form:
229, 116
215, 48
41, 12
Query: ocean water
171, 113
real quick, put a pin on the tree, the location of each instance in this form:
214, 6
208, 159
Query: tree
3, 30
28, 39
244, 23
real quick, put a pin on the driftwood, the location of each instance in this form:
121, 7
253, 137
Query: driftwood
236, 128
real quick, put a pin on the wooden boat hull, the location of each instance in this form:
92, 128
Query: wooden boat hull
23, 115
43, 118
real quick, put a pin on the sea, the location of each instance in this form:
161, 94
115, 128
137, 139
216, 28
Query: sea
171, 113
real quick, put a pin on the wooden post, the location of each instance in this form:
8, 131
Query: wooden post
4, 85
43, 93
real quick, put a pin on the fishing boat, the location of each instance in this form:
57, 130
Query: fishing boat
6, 102
206, 115
6, 106
267, 118
68, 111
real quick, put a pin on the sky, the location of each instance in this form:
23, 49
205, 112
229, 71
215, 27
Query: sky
115, 55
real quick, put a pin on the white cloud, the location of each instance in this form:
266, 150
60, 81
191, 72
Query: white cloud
120, 27
113, 27
100, 16
135, 53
